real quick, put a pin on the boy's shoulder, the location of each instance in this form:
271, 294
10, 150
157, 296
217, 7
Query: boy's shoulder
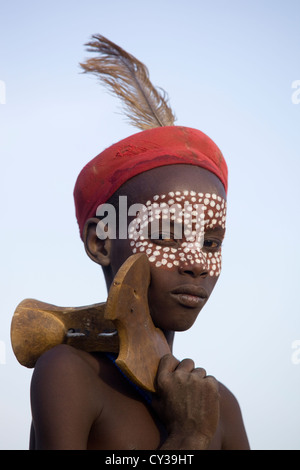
64, 364
231, 421
71, 370
67, 372
63, 376
63, 400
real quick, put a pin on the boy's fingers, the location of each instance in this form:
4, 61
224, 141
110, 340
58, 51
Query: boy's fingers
168, 363
199, 371
186, 365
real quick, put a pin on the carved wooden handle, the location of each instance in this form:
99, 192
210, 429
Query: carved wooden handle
142, 345
37, 326
123, 324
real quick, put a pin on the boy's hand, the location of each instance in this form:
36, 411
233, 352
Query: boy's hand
187, 402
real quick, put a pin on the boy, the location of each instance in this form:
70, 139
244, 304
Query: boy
81, 400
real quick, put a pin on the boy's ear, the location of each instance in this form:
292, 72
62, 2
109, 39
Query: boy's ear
98, 250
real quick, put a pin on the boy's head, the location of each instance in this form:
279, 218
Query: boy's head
168, 186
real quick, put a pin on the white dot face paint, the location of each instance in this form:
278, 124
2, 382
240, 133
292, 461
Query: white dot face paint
177, 229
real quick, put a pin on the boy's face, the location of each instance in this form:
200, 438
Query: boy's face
183, 244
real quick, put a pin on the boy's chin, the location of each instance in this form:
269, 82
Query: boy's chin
178, 323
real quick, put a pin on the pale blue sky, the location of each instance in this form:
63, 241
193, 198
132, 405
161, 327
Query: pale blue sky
228, 67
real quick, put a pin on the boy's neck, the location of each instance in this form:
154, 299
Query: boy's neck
169, 337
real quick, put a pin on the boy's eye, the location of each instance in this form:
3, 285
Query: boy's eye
212, 244
163, 239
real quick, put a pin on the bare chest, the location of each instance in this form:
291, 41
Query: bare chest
126, 424
131, 425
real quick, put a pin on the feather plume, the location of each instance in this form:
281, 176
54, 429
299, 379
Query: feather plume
128, 78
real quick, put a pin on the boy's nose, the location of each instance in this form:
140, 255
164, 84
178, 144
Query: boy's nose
192, 268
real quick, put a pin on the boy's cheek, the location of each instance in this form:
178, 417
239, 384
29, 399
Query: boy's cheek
120, 252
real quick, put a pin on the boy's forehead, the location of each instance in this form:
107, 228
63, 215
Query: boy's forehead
168, 179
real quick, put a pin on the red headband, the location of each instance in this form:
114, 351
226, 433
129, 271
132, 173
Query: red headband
152, 148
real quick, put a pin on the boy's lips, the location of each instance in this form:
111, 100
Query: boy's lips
189, 295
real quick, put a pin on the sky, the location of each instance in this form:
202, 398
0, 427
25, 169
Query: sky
232, 70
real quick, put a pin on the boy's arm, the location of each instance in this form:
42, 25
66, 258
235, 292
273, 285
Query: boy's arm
60, 384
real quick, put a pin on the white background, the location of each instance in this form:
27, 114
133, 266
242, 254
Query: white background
228, 67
